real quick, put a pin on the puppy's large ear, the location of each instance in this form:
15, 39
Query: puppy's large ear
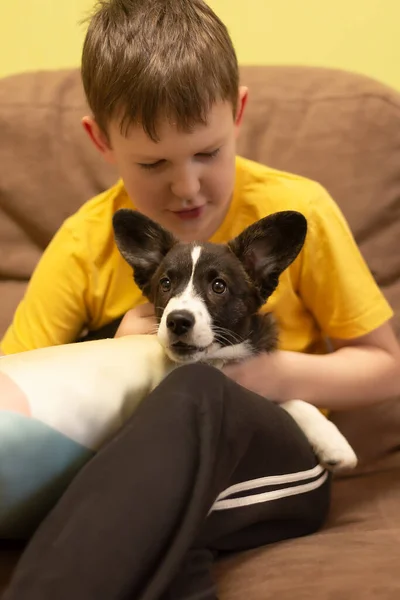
142, 242
269, 246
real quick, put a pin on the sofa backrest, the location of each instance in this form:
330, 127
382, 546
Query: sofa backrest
336, 127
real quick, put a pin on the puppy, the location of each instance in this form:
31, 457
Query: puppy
207, 299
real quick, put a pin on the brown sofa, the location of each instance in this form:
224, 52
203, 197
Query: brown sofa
338, 128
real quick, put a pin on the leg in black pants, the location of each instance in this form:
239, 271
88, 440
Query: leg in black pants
202, 466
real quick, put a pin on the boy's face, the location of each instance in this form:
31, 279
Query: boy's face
185, 181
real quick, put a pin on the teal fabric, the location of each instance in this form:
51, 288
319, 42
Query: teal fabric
36, 465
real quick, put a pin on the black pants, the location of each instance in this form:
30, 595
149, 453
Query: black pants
203, 466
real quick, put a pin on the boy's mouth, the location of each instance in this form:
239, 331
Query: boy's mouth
189, 214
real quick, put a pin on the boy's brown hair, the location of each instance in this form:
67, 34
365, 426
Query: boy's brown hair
146, 59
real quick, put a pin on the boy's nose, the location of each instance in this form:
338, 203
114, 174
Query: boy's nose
186, 185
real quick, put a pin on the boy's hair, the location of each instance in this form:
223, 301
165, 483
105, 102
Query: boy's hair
149, 59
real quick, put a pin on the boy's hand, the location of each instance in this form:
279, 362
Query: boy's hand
259, 374
138, 321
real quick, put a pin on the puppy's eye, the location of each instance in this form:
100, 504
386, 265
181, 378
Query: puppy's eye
165, 284
218, 286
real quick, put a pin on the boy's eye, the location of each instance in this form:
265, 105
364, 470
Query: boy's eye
209, 154
151, 165
158, 163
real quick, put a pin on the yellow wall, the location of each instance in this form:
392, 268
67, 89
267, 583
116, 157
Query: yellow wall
36, 34
360, 35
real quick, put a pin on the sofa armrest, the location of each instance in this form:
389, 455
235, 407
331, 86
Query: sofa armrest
11, 292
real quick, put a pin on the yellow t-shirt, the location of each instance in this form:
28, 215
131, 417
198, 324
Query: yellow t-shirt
82, 280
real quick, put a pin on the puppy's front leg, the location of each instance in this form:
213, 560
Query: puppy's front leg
330, 446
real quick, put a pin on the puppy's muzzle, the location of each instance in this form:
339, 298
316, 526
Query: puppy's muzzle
180, 322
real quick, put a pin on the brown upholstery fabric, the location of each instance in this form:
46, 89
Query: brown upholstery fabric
357, 554
338, 128
342, 130
48, 169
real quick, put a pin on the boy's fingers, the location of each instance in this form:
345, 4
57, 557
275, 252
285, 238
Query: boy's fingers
145, 310
138, 321
137, 326
149, 325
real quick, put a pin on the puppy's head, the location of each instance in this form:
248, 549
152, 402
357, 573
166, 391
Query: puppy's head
206, 294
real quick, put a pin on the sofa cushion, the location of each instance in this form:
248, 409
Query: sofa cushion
356, 555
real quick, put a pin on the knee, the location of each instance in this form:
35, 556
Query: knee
195, 385
196, 374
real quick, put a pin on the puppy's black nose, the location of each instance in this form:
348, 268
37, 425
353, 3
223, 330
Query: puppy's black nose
180, 321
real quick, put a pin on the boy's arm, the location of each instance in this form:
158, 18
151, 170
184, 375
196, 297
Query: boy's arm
337, 288
53, 310
359, 372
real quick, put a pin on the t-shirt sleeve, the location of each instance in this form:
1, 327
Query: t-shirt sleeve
336, 284
54, 308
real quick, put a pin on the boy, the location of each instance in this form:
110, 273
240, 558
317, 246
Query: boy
161, 79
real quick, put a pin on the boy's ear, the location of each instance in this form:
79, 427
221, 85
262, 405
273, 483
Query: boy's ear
269, 246
143, 244
242, 101
98, 138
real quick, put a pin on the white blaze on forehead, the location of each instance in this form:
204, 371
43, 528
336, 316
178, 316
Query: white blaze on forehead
189, 291
201, 335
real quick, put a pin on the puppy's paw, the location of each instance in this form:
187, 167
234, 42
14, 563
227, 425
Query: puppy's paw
333, 450
331, 447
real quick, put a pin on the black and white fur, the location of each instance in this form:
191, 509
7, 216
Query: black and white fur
207, 299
